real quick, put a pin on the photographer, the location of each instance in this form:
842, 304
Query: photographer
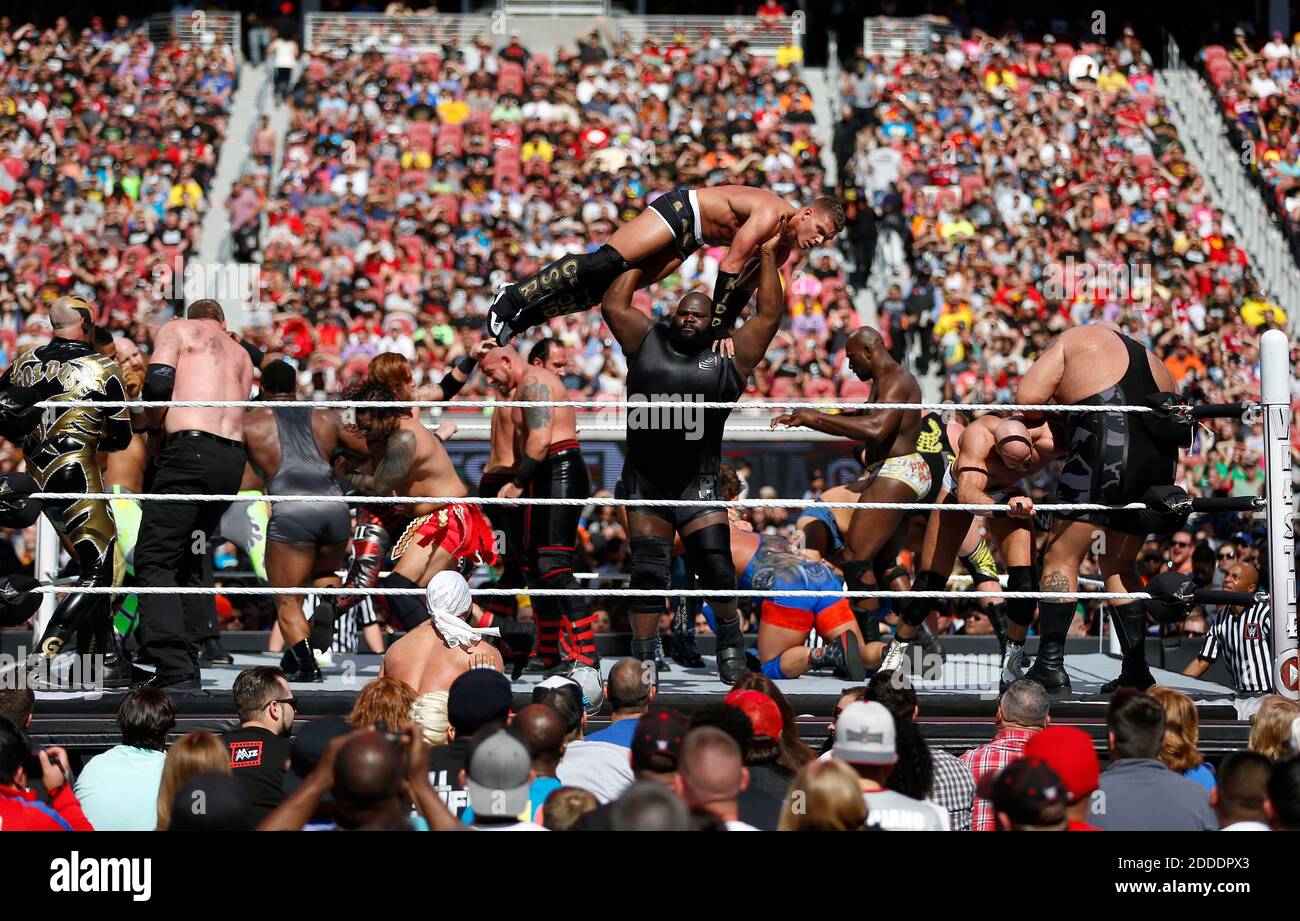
19, 810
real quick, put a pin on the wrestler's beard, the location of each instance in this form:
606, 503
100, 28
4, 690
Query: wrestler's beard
688, 344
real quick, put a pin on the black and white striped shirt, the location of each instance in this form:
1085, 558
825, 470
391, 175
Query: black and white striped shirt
1246, 643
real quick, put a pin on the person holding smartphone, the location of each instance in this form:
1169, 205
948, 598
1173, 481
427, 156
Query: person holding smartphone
19, 809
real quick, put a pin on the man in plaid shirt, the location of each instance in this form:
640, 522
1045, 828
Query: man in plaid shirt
1022, 712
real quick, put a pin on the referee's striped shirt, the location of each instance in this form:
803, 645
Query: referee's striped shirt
1246, 643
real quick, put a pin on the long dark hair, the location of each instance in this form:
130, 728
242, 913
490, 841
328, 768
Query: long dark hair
913, 775
795, 752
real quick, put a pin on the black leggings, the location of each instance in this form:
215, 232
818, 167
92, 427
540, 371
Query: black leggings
552, 536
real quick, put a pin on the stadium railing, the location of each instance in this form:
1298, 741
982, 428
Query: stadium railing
363, 31
553, 7
892, 37
1204, 132
203, 28
763, 40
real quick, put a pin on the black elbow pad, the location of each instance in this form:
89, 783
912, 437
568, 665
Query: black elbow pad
159, 381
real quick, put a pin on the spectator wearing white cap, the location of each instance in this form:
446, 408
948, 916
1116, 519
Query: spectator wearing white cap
864, 739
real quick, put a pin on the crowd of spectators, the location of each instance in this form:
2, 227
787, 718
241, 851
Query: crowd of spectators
733, 765
1033, 194
414, 183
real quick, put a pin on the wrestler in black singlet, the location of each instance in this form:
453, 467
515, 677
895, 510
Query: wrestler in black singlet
675, 452
1113, 459
932, 444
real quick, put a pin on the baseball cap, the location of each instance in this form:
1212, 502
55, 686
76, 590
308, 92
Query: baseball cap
476, 698
763, 713
308, 747
864, 734
498, 771
1028, 791
225, 805
1068, 751
658, 740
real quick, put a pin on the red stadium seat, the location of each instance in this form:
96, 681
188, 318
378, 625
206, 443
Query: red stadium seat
450, 141
422, 135
1215, 51
1063, 52
968, 185
479, 123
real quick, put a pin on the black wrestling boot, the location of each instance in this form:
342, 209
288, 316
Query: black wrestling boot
661, 664
686, 652
112, 669
730, 651
646, 649
1129, 622
842, 655
305, 670
501, 315
929, 643
323, 618
1054, 618
211, 652
997, 615
1048, 669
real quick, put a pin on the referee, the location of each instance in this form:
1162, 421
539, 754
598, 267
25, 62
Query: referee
1244, 636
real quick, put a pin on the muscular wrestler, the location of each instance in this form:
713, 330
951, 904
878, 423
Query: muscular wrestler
445, 646
1112, 459
994, 456
676, 452
378, 525
60, 451
202, 453
289, 447
896, 471
550, 466
413, 462
659, 239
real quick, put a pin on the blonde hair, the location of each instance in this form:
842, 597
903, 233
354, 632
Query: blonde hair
192, 754
1270, 728
385, 700
1178, 752
429, 712
564, 806
824, 797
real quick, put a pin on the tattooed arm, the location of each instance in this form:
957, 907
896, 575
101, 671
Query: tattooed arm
538, 423
392, 471
538, 420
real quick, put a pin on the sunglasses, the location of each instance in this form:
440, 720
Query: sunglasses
291, 701
1182, 543
1227, 556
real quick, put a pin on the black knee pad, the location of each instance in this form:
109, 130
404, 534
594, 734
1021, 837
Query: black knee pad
886, 577
1020, 611
856, 573
601, 268
709, 550
555, 566
915, 610
652, 563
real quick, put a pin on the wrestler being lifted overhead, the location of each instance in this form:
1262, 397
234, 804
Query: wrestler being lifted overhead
660, 239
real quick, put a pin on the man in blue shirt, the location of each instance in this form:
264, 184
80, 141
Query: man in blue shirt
1137, 792
630, 692
118, 790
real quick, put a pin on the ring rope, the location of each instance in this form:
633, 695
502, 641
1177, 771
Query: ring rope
590, 404
561, 592
636, 503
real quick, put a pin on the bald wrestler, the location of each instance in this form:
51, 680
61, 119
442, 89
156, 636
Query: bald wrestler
896, 471
59, 447
411, 461
551, 466
994, 456
1111, 459
659, 239
290, 448
202, 453
443, 646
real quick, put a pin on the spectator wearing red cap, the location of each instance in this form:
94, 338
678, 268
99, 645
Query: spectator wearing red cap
1068, 751
1027, 795
762, 757
1022, 711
